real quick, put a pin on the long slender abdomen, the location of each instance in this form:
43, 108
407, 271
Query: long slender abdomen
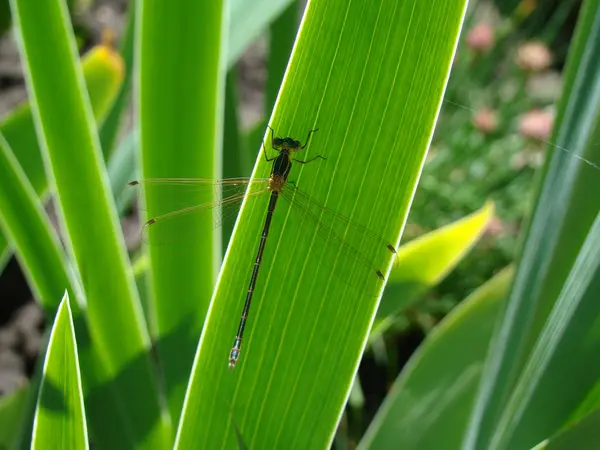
237, 343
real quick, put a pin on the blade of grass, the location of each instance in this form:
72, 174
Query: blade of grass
180, 100
370, 76
89, 220
562, 219
60, 415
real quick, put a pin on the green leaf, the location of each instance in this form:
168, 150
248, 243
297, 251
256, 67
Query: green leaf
12, 413
425, 261
18, 127
282, 36
561, 222
429, 403
91, 229
370, 76
102, 69
235, 152
582, 435
570, 335
112, 124
24, 221
60, 416
180, 98
122, 168
247, 21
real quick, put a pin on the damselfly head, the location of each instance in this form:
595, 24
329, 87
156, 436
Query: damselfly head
286, 143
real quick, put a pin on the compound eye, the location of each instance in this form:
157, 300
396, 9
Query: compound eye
277, 142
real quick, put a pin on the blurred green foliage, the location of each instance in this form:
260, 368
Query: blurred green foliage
489, 141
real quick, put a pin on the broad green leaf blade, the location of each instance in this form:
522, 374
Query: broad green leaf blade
425, 261
429, 403
90, 224
24, 221
370, 76
563, 216
563, 362
103, 74
181, 82
60, 415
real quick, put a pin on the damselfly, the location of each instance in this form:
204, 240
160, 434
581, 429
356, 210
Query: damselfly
335, 229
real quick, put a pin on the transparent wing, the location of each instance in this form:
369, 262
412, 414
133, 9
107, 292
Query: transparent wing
176, 207
361, 253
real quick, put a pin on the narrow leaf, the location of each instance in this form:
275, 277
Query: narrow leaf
181, 95
24, 221
102, 70
60, 415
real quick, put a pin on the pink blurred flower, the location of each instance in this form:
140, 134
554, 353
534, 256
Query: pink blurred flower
537, 124
534, 57
486, 120
481, 37
495, 227
518, 161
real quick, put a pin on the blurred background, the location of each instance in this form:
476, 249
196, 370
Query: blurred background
490, 139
